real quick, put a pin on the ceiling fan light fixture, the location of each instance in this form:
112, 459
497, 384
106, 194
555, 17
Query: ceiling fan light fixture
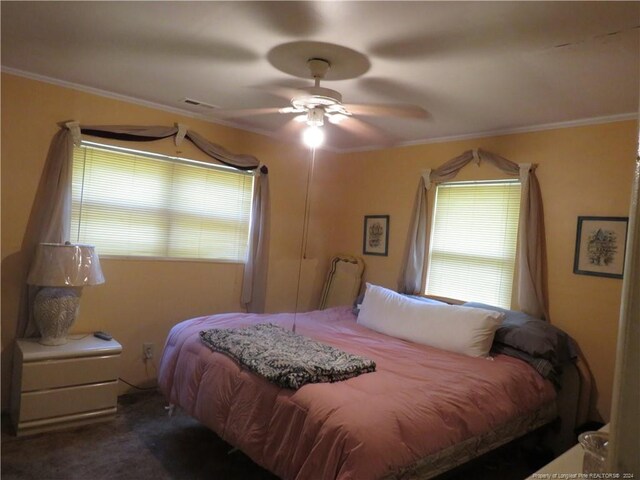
315, 117
313, 136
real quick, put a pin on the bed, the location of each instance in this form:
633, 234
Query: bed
423, 411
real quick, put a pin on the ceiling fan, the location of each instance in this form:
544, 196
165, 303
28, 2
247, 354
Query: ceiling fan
315, 104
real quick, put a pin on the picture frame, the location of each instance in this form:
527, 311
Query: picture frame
376, 235
600, 246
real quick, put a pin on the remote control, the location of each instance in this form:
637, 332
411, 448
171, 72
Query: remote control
102, 335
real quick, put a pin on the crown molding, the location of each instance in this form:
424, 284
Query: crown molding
509, 131
145, 103
266, 133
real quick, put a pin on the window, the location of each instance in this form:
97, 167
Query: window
473, 241
131, 203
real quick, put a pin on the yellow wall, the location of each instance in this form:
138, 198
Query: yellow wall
582, 171
142, 299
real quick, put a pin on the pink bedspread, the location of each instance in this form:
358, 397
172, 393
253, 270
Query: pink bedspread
419, 401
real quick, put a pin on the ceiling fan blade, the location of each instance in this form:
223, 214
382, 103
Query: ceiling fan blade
366, 130
290, 129
386, 110
244, 112
398, 91
296, 19
280, 91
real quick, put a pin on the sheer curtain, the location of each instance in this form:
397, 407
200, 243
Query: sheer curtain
531, 293
51, 211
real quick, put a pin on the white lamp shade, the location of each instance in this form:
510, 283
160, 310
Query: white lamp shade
65, 265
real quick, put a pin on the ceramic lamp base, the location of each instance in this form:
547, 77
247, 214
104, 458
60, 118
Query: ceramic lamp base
55, 310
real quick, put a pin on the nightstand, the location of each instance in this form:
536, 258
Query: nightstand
65, 385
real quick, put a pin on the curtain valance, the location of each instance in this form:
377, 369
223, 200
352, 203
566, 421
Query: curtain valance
531, 293
51, 212
138, 133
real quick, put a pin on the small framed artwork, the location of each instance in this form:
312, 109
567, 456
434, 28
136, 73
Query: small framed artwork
376, 235
600, 246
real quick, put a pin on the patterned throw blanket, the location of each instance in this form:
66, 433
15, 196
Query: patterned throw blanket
285, 358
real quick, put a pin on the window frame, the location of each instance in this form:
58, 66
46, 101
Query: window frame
431, 234
179, 160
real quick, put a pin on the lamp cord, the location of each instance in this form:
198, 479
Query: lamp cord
305, 233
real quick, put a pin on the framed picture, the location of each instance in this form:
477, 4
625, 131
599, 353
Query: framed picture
376, 235
600, 246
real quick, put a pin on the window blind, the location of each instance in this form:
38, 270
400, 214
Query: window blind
473, 241
130, 203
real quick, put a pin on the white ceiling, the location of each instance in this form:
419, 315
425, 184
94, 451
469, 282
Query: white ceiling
475, 67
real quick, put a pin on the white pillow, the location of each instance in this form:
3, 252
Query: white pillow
458, 329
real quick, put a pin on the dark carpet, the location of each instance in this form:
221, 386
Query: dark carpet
144, 443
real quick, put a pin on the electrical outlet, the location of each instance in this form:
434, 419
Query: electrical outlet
147, 351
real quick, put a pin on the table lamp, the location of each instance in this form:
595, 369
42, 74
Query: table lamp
62, 269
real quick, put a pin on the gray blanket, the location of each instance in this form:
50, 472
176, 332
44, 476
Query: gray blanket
285, 358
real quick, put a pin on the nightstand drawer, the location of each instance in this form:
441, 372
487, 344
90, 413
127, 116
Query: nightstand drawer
65, 401
64, 385
70, 371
